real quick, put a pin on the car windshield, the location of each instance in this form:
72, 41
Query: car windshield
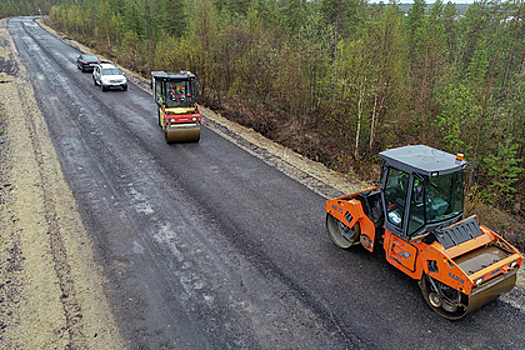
110, 71
91, 58
443, 196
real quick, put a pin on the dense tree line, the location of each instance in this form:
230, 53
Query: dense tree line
10, 8
338, 80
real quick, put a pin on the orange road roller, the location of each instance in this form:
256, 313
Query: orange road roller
178, 113
416, 214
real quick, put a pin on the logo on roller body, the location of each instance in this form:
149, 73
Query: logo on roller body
394, 217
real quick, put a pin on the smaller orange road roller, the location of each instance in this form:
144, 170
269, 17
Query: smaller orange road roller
177, 111
416, 214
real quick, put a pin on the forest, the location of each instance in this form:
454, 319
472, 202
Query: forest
10, 8
338, 80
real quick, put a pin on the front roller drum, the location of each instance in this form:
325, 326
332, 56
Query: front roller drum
341, 234
182, 134
454, 305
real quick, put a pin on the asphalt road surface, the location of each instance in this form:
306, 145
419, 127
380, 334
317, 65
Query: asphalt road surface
204, 246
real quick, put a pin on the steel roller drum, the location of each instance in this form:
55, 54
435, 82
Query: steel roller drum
477, 260
183, 134
491, 291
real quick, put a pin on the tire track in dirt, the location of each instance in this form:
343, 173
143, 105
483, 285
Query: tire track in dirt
50, 286
71, 305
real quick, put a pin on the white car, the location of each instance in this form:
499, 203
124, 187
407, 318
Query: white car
108, 76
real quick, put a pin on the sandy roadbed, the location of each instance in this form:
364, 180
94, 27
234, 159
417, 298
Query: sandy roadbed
51, 289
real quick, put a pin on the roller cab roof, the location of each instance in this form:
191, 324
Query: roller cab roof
182, 75
422, 159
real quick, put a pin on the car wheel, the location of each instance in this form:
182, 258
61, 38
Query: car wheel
124, 87
102, 87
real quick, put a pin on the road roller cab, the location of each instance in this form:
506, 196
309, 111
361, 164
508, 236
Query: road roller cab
416, 214
178, 113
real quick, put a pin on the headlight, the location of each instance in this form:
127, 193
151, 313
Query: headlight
512, 264
479, 281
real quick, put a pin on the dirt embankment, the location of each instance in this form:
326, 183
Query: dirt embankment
51, 289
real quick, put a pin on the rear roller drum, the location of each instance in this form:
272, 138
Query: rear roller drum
170, 136
342, 235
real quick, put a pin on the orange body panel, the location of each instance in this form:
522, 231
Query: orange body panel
446, 271
414, 258
342, 206
403, 255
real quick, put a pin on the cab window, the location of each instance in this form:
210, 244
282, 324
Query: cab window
395, 189
417, 208
180, 91
158, 91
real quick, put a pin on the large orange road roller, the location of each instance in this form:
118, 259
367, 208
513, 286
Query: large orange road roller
416, 214
178, 112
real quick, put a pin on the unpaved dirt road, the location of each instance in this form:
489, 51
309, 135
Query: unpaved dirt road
112, 239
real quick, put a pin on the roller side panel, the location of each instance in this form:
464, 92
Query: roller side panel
440, 267
404, 255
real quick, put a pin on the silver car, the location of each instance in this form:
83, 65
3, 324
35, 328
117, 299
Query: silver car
108, 76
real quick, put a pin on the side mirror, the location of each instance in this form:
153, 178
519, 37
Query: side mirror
475, 172
382, 177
